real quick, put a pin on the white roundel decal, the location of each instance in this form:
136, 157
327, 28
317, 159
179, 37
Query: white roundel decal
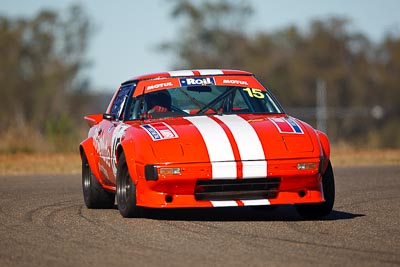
118, 133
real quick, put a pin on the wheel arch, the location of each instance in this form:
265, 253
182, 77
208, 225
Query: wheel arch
128, 149
86, 148
325, 146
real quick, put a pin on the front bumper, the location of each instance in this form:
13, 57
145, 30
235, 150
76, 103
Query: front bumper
284, 184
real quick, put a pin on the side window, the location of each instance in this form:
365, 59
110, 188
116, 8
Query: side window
120, 100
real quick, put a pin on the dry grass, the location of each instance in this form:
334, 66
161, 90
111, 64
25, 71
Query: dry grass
20, 164
364, 157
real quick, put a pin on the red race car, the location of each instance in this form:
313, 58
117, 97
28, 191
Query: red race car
203, 138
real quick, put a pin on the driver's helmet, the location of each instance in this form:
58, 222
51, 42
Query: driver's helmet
159, 98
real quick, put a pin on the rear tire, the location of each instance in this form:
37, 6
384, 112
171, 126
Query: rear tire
126, 192
94, 195
316, 210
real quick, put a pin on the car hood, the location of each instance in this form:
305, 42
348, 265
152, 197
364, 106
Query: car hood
223, 138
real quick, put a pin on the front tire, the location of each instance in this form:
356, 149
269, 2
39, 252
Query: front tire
94, 195
126, 192
316, 210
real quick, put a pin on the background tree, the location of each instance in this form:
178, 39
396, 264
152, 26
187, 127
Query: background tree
361, 77
41, 79
213, 35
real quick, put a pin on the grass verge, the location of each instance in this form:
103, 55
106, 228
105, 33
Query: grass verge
364, 157
21, 164
70, 163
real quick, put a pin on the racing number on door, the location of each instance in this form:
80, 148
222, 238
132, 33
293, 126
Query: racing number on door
254, 92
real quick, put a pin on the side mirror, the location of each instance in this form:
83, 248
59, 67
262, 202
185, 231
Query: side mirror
93, 119
109, 116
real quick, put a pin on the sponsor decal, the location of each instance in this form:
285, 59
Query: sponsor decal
235, 82
160, 131
101, 143
287, 125
106, 148
159, 85
196, 81
117, 137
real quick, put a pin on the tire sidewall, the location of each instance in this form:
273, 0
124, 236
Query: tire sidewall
86, 181
94, 195
126, 190
317, 210
328, 184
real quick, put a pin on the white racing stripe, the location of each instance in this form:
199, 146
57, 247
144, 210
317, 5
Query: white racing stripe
224, 203
176, 73
256, 202
210, 72
218, 146
249, 145
233, 203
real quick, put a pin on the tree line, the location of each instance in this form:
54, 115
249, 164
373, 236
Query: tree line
361, 77
45, 93
43, 89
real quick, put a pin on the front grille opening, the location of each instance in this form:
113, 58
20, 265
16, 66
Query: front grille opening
255, 188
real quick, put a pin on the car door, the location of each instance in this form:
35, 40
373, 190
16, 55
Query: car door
110, 131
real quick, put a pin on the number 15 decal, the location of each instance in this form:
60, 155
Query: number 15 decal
253, 92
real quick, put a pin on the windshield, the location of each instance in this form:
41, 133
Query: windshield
198, 100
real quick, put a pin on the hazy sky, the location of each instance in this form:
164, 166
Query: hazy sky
127, 33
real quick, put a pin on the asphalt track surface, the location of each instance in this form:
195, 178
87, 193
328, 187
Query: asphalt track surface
43, 222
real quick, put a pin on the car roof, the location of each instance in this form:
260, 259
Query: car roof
185, 73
